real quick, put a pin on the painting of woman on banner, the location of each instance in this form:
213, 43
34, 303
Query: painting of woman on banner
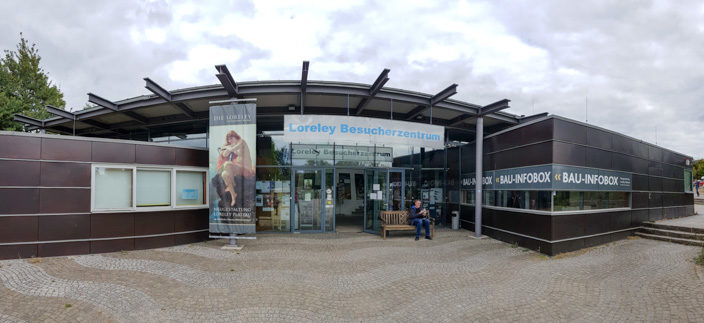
234, 173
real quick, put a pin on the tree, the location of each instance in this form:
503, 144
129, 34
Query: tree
24, 86
698, 168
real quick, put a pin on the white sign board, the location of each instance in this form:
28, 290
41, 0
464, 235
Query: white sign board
354, 130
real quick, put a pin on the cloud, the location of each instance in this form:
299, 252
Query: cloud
629, 66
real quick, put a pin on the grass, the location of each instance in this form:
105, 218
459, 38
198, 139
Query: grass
68, 305
514, 245
699, 260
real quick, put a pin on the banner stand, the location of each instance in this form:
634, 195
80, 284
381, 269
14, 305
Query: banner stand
232, 245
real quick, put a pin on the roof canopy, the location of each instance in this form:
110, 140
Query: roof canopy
185, 111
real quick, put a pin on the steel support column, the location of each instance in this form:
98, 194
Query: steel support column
479, 143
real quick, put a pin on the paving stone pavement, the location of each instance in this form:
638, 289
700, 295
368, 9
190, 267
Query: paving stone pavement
359, 277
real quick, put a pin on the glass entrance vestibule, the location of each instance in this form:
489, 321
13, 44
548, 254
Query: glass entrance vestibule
336, 188
327, 199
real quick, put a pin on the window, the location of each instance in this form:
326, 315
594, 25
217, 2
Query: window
467, 197
528, 200
153, 188
688, 181
190, 188
112, 188
130, 188
592, 200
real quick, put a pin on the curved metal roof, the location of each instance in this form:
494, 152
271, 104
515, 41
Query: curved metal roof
185, 111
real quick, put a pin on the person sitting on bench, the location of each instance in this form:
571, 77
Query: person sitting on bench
418, 216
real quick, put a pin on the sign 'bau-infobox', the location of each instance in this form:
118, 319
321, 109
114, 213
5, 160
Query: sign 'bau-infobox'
552, 177
353, 130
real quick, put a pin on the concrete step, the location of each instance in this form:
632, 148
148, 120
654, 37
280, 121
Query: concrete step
672, 227
688, 242
673, 233
699, 201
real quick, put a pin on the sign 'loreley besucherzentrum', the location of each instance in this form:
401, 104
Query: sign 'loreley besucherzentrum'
355, 130
232, 156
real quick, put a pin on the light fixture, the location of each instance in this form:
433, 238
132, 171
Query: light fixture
291, 107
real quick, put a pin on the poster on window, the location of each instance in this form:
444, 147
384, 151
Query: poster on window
232, 157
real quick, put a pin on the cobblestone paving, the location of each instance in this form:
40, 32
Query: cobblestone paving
359, 277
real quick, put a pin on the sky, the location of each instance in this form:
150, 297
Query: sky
630, 66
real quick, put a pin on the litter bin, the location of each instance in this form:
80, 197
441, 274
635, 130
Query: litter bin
455, 221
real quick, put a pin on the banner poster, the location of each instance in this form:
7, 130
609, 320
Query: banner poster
232, 160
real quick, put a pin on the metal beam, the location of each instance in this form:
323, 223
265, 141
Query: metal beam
28, 120
444, 94
96, 124
60, 112
415, 112
112, 106
459, 119
379, 82
102, 102
157, 89
166, 95
136, 117
304, 83
494, 107
373, 90
227, 81
185, 109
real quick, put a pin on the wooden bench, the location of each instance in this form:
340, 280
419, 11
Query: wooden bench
398, 221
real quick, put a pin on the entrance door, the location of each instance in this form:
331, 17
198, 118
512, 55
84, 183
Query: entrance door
384, 190
349, 199
396, 189
312, 200
375, 198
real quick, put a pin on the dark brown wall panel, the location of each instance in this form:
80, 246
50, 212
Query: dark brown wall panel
570, 131
19, 200
110, 152
102, 246
64, 227
18, 251
189, 238
153, 223
18, 228
20, 147
65, 174
597, 223
191, 157
19, 173
66, 149
190, 220
567, 226
64, 249
155, 242
111, 225
155, 155
64, 200
569, 154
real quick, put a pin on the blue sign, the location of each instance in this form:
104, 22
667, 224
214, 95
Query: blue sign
189, 194
551, 177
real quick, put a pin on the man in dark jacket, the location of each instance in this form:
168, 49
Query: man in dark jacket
417, 216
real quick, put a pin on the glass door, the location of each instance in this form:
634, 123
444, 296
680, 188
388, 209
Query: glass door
308, 200
396, 190
375, 198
